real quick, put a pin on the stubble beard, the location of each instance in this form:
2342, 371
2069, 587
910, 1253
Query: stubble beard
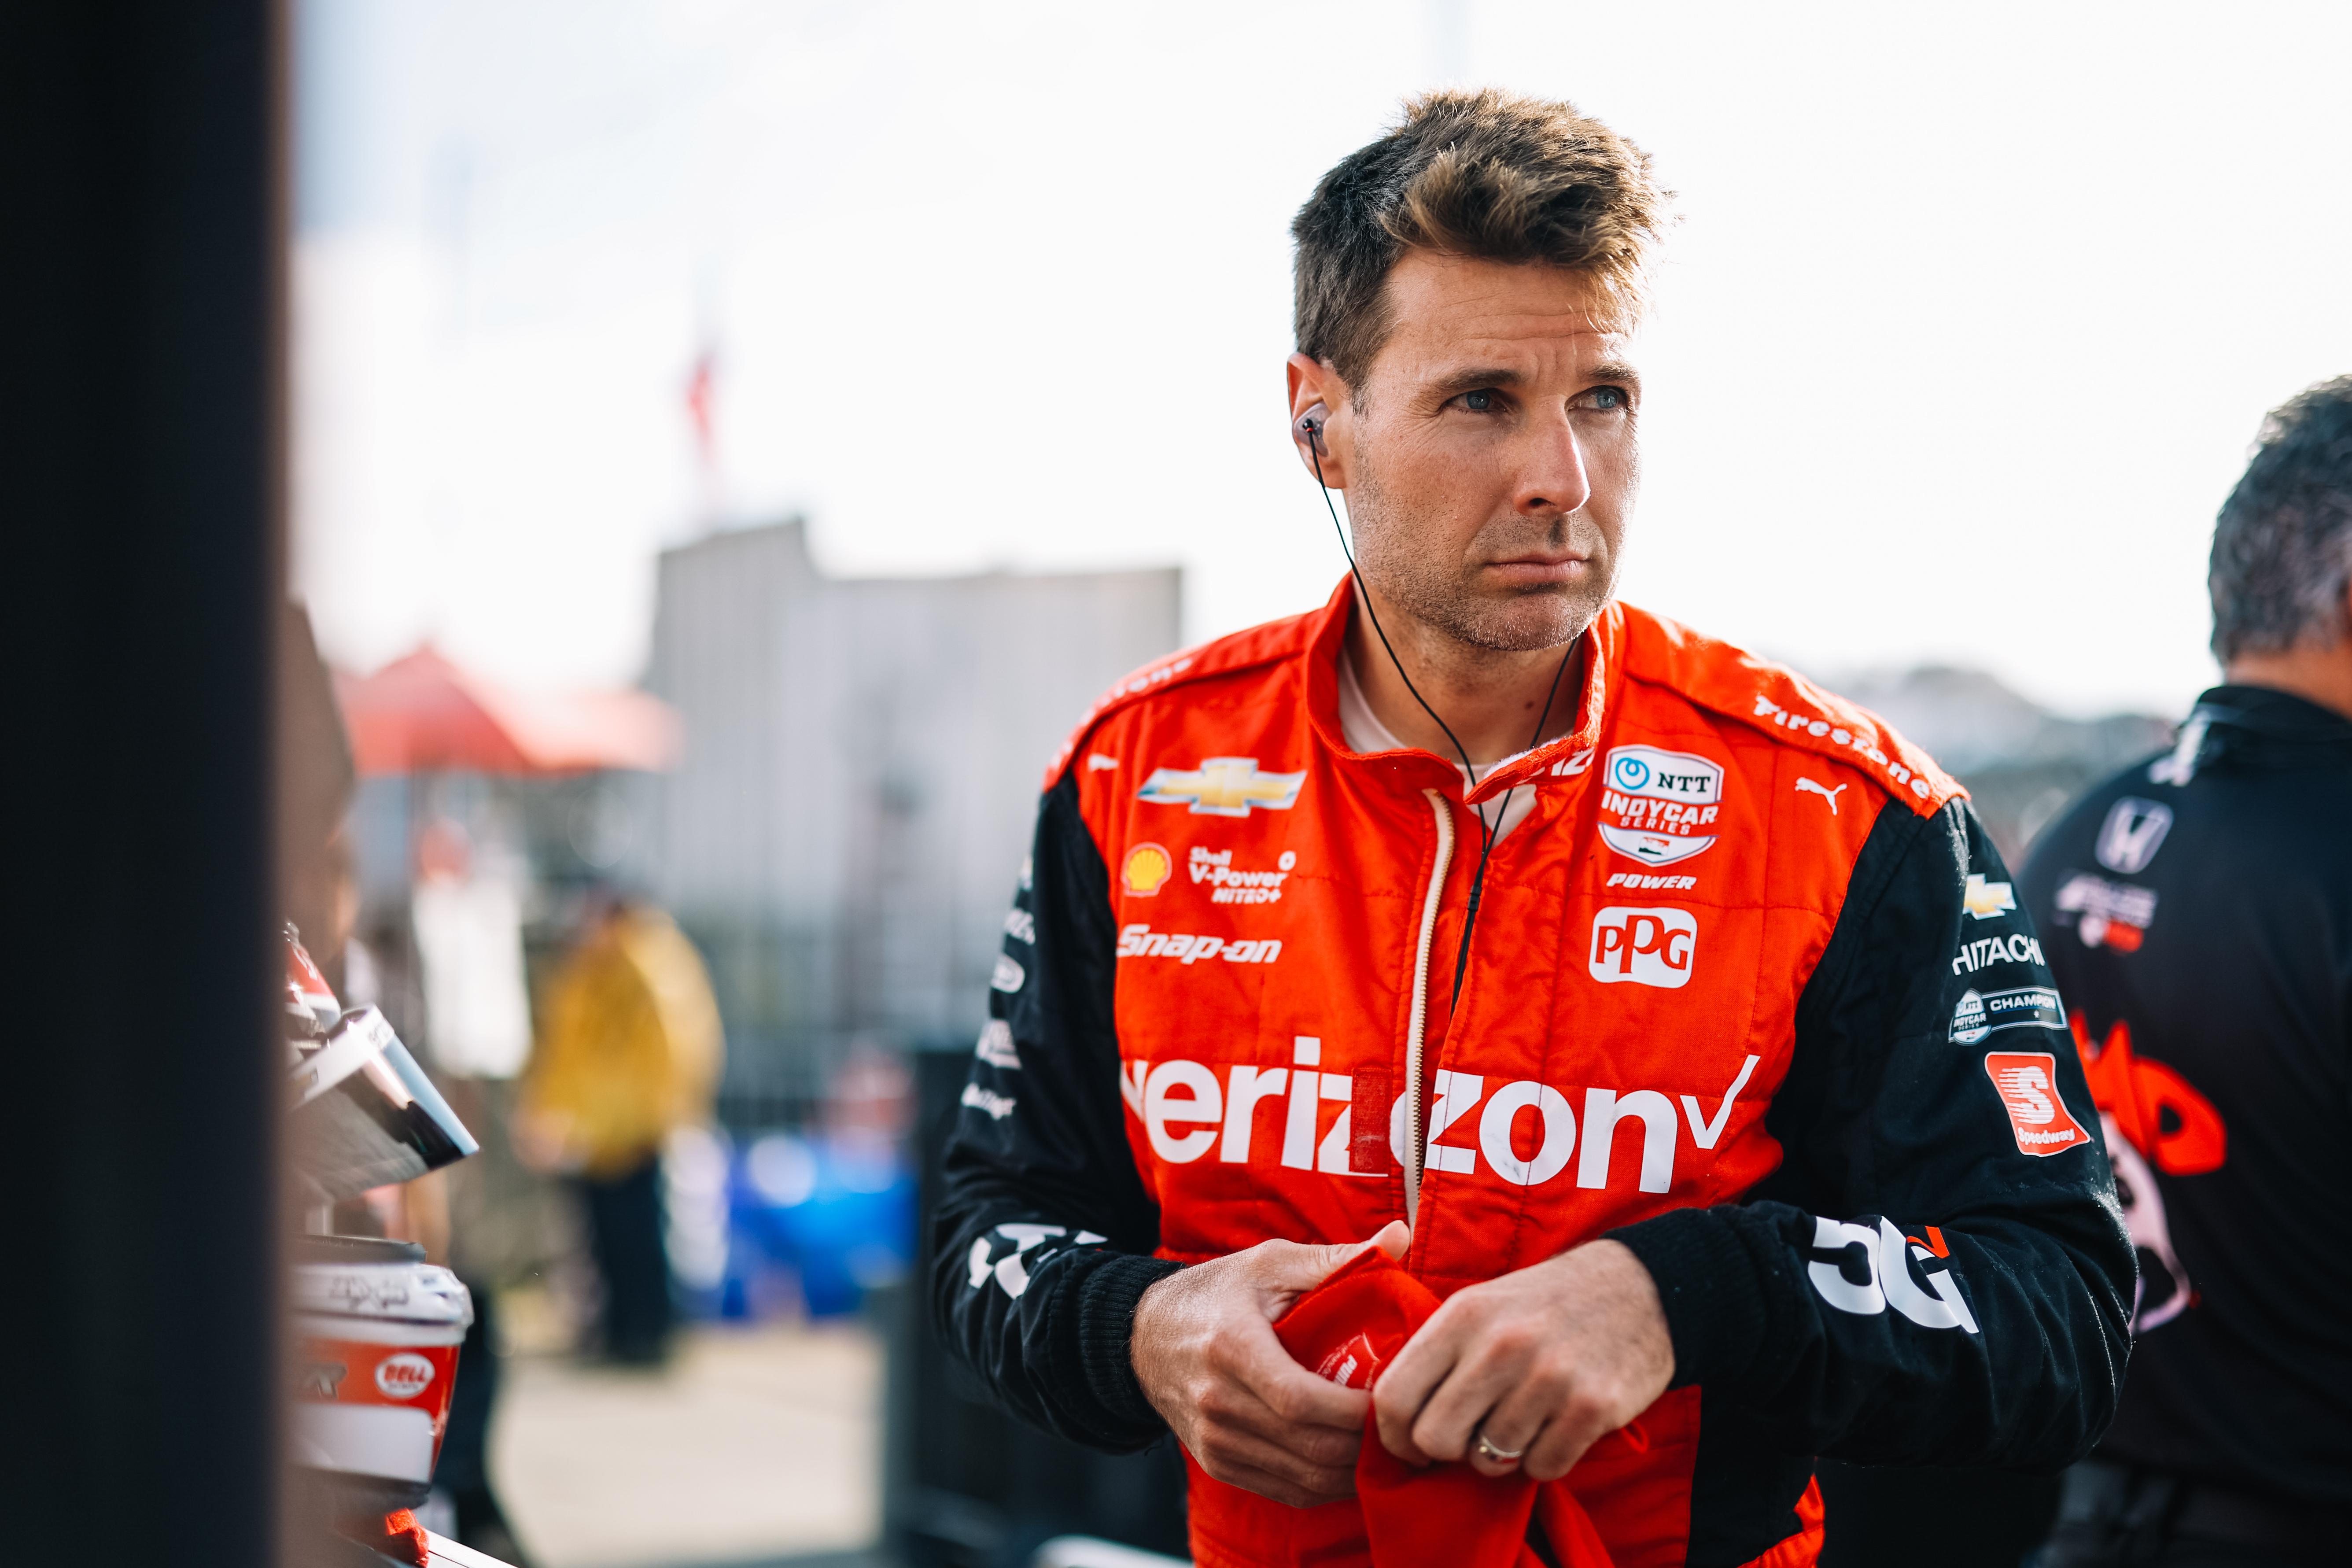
1441, 595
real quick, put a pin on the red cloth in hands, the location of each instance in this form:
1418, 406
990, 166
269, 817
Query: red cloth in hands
1347, 1329
403, 1539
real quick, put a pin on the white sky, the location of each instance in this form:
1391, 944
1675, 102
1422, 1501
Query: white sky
1971, 316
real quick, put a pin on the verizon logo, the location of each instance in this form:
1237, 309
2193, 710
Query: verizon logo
1520, 1131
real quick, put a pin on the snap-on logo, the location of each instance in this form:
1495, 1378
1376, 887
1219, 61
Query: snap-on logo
1647, 947
404, 1376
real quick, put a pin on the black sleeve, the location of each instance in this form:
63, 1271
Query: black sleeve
1914, 1286
1044, 1229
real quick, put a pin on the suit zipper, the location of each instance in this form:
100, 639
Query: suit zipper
1412, 1039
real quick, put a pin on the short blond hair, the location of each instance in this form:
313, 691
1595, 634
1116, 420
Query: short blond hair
1490, 174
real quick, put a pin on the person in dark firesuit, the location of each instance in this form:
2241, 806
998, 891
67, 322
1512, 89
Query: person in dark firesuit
2196, 910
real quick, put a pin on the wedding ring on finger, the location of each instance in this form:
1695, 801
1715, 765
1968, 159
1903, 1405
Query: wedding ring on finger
1485, 1449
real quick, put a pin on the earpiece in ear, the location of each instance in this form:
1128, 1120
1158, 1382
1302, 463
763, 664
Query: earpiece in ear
1308, 431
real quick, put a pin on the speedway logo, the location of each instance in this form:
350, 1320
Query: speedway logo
1645, 947
1215, 866
1525, 1132
2017, 948
1142, 941
2040, 1121
2026, 1007
1659, 799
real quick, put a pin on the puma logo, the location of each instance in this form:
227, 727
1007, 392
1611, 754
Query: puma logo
1804, 785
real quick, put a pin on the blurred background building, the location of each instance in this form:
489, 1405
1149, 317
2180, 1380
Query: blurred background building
2020, 762
858, 780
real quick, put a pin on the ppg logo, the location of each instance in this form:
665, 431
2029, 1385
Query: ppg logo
1645, 947
1629, 773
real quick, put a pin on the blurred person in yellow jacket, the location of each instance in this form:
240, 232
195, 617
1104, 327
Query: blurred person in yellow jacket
629, 1049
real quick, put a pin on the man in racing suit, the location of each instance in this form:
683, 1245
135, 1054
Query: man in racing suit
1649, 1045
2198, 907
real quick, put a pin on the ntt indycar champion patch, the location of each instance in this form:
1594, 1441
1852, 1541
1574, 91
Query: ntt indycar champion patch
2027, 1006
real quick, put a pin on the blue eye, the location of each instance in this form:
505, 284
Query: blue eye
1608, 397
1479, 402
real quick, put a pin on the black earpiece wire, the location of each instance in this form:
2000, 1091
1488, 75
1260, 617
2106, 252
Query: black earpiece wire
1488, 830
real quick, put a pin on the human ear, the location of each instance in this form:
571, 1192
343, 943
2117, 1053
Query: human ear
1320, 419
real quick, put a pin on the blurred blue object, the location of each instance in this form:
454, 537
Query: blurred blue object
833, 1216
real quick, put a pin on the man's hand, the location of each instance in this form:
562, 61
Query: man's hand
1204, 1350
1544, 1361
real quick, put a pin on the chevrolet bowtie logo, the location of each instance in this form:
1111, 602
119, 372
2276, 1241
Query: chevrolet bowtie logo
1223, 786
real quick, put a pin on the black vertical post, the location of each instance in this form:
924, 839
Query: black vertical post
140, 245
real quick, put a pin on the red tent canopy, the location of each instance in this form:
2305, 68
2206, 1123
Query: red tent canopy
422, 713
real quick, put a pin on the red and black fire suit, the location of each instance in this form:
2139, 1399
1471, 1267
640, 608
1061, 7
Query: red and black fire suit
1733, 999
2196, 908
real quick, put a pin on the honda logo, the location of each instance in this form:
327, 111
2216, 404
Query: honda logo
2132, 834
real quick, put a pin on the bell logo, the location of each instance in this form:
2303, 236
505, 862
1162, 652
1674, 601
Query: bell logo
2036, 1114
1647, 947
404, 1376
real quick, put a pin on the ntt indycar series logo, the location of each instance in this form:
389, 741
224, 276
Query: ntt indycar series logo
1655, 803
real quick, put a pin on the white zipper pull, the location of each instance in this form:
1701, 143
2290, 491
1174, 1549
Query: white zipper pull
1443, 810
